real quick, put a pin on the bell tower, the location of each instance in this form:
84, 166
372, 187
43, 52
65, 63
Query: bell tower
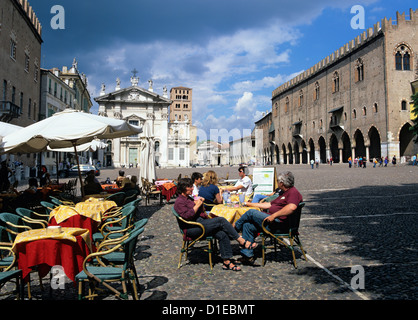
181, 108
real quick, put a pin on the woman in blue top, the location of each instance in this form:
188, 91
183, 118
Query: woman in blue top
209, 191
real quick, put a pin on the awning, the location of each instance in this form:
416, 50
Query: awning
336, 109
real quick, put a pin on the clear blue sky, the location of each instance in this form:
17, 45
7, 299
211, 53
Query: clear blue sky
233, 53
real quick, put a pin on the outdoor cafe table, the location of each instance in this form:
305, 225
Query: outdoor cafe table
44, 250
167, 189
87, 214
111, 188
232, 214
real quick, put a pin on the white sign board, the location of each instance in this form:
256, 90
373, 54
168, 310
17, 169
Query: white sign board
264, 178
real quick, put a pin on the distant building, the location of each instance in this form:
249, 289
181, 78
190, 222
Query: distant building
140, 107
20, 60
182, 144
265, 146
353, 103
79, 83
242, 150
212, 153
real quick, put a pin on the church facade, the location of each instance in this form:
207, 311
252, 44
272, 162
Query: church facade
355, 102
137, 106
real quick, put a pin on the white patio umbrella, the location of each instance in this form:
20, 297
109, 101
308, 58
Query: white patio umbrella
69, 128
7, 128
147, 156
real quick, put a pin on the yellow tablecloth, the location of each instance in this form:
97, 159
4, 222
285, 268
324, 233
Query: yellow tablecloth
229, 213
41, 234
94, 208
235, 198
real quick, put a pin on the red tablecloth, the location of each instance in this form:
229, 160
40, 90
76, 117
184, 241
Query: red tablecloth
78, 221
111, 188
48, 253
168, 193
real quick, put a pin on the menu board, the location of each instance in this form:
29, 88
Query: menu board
266, 179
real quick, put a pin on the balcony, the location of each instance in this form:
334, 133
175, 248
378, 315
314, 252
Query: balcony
9, 111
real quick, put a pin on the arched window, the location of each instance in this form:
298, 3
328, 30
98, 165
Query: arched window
403, 57
359, 74
316, 92
406, 61
364, 111
403, 105
354, 114
286, 105
335, 82
300, 98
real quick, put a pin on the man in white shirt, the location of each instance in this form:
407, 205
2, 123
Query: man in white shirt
244, 184
197, 181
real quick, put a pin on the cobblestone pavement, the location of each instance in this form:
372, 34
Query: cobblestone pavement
355, 219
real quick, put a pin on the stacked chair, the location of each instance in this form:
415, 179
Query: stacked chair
10, 226
8, 272
114, 259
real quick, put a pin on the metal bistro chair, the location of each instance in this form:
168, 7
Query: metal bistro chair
104, 274
188, 243
292, 236
8, 271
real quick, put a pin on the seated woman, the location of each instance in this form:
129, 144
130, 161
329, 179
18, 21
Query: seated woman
91, 186
130, 186
220, 228
120, 178
209, 191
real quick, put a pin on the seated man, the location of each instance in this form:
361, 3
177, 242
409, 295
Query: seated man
244, 184
278, 210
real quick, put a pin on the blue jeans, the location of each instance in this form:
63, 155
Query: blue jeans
258, 197
250, 225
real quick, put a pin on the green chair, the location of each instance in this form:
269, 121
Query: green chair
7, 257
48, 206
117, 197
105, 275
188, 242
114, 226
7, 274
15, 224
117, 257
129, 199
270, 198
33, 216
280, 238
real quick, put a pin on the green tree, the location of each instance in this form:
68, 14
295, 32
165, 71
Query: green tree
414, 111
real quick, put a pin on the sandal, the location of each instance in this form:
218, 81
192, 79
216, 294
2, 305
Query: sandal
252, 245
227, 266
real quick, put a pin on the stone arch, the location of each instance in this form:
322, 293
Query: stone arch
304, 151
284, 153
375, 150
346, 144
297, 152
277, 151
290, 153
322, 150
311, 149
406, 141
333, 147
360, 148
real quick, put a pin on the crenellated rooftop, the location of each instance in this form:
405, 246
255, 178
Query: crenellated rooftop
359, 41
31, 15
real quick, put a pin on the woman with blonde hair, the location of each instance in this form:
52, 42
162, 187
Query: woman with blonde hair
209, 189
